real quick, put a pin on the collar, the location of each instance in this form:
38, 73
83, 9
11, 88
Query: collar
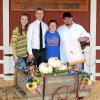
38, 21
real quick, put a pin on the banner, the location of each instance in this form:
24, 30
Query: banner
49, 5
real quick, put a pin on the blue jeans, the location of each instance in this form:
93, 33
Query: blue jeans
22, 62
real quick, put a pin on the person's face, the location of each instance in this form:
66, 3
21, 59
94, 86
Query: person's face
52, 27
39, 14
24, 20
68, 20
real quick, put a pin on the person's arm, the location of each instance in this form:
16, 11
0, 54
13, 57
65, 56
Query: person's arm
14, 39
45, 39
84, 37
29, 43
59, 40
15, 57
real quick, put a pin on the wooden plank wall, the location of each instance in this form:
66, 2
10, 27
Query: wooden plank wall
1, 34
81, 17
98, 39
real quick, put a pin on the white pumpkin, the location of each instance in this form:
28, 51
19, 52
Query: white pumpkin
45, 68
63, 66
54, 62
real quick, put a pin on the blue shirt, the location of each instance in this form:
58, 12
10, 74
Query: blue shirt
52, 43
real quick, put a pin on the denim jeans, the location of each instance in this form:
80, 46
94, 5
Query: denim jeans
22, 62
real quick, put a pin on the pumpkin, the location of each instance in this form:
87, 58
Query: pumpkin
63, 66
45, 68
54, 62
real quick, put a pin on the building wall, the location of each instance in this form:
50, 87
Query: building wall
1, 36
98, 41
82, 17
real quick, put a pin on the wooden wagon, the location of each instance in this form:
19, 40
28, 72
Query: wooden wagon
55, 87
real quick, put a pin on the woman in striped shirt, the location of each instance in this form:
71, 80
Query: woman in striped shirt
18, 42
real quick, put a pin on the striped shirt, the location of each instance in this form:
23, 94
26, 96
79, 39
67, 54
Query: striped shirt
18, 42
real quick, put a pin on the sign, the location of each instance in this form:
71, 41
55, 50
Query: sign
49, 5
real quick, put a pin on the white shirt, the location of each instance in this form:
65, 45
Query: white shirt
70, 49
33, 41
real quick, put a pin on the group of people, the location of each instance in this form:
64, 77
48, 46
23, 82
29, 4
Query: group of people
62, 42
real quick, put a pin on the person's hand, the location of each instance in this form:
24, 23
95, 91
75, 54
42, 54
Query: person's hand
30, 58
84, 39
16, 59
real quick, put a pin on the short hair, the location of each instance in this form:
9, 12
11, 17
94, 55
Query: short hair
39, 9
52, 20
67, 14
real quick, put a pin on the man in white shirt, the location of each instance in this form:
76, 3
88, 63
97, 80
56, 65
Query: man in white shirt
33, 38
71, 35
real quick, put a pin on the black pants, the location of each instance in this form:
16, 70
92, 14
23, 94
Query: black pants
39, 56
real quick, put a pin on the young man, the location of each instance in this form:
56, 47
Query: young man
71, 35
33, 38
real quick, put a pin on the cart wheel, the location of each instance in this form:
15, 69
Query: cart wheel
63, 93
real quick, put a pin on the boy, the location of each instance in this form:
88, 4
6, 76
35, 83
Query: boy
52, 41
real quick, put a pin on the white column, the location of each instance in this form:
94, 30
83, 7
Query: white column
93, 9
7, 64
97, 60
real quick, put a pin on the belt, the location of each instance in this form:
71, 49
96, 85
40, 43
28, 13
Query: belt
38, 50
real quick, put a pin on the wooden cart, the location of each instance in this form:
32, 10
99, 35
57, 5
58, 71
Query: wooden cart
55, 87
